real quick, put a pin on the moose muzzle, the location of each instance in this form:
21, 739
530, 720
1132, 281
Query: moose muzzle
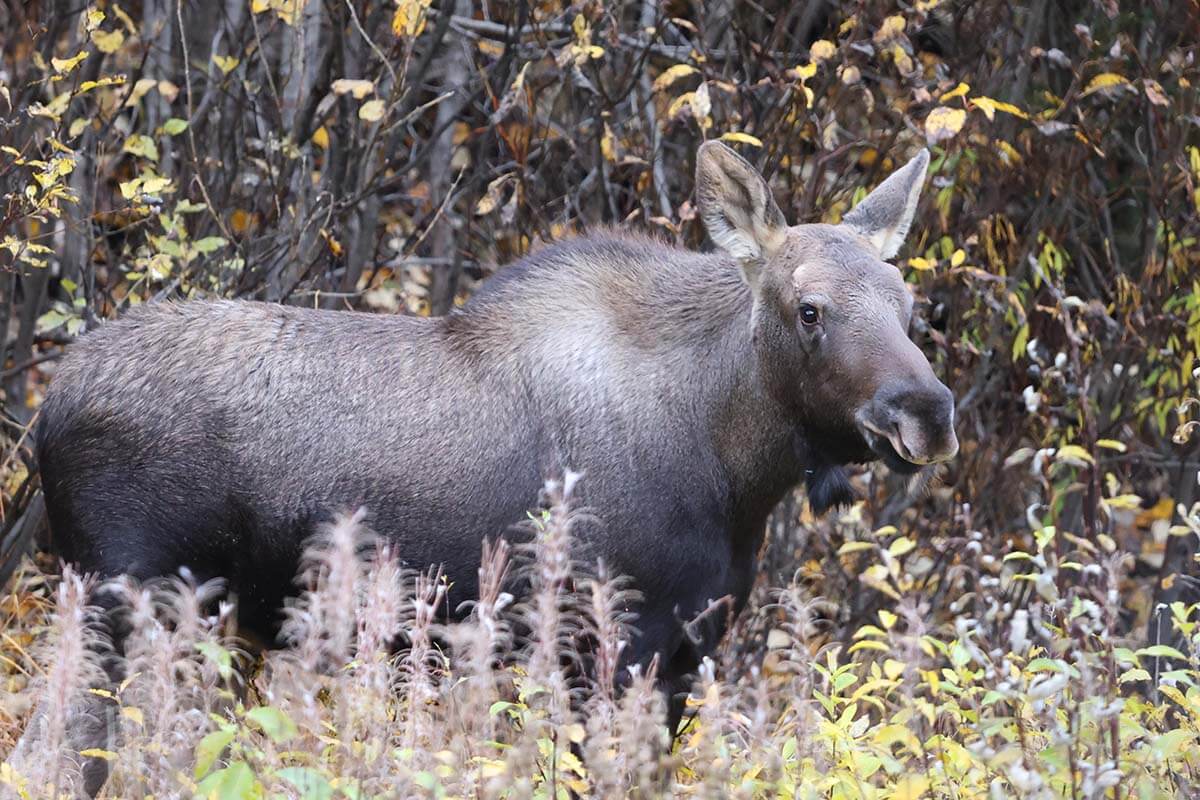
911, 423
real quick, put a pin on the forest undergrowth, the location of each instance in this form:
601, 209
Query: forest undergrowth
1026, 691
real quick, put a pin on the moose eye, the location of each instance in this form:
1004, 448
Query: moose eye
809, 315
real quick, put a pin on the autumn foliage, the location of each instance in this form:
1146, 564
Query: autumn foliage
1023, 624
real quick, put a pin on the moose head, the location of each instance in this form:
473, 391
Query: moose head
830, 321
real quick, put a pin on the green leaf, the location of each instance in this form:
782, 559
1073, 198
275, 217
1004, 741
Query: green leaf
311, 783
1171, 742
51, 320
235, 782
210, 749
142, 146
218, 655
1161, 651
274, 723
208, 244
501, 706
174, 126
1134, 674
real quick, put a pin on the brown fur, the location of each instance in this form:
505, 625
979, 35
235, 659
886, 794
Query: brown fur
215, 435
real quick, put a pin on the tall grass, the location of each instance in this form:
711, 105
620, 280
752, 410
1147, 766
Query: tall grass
375, 695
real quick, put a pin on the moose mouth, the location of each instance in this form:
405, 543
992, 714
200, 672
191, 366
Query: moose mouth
881, 445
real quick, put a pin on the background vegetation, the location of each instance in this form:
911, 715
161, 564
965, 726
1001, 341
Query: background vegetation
1023, 625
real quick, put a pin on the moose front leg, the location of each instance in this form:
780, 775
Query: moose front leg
684, 639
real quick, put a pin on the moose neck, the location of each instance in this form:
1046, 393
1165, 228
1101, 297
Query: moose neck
755, 438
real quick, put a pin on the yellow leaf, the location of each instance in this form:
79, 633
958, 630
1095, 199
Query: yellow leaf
672, 74
901, 59
135, 714
743, 138
922, 264
1163, 509
957, 91
335, 246
125, 19
226, 64
371, 111
155, 184
357, 88
989, 107
139, 90
1111, 444
910, 787
608, 144
108, 41
678, 103
239, 220
96, 752
140, 145
409, 19
1008, 153
491, 199
854, 547
1074, 453
892, 27
901, 546
288, 10
320, 138
65, 65
807, 71
821, 50
893, 668
958, 258
887, 619
1105, 80
113, 80
94, 17
1125, 502
943, 123
1154, 92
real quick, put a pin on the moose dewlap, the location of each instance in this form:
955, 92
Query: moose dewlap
690, 390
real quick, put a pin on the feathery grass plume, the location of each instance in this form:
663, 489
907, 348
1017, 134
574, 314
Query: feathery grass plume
478, 646
607, 629
370, 680
422, 665
706, 738
480, 649
179, 662
320, 625
551, 610
68, 717
551, 617
640, 738
788, 665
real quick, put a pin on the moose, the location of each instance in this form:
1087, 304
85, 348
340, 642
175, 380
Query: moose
690, 390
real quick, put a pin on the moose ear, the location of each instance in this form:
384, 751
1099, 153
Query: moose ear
884, 216
736, 205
